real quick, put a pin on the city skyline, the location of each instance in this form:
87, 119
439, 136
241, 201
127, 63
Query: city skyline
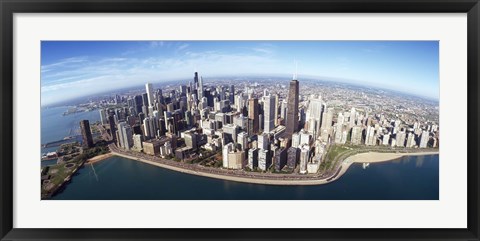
72, 69
227, 133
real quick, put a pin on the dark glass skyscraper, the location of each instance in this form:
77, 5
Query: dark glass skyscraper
292, 108
159, 94
87, 140
111, 122
195, 79
253, 114
138, 103
145, 99
195, 84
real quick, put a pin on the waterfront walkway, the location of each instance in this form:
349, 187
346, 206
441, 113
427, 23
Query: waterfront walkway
249, 177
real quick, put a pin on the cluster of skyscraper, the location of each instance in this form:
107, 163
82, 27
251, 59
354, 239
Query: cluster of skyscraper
252, 132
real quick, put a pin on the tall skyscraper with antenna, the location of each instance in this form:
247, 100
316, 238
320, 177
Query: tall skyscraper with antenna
195, 79
292, 106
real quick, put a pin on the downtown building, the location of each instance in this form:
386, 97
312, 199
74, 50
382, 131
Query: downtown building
292, 107
87, 140
264, 159
424, 138
253, 116
304, 158
150, 96
280, 158
125, 135
269, 110
314, 115
252, 158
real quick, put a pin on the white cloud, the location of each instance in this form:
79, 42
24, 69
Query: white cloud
183, 46
63, 62
155, 44
263, 50
69, 80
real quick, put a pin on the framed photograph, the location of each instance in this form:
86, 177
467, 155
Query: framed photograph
258, 120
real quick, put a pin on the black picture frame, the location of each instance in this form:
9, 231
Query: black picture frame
9, 7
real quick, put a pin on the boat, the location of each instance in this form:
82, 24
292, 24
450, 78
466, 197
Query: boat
49, 156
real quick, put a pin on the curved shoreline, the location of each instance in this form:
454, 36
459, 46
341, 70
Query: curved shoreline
377, 157
98, 158
368, 157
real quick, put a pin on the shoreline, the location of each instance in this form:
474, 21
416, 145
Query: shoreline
98, 158
373, 157
377, 157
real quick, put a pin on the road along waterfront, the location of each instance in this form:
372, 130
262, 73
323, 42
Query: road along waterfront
263, 178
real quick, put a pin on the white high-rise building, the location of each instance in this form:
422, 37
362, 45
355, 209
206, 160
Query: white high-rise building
340, 119
150, 126
137, 142
424, 139
168, 148
150, 96
150, 111
103, 117
353, 117
411, 140
370, 139
263, 141
296, 140
327, 122
242, 140
394, 142
125, 135
240, 102
305, 137
200, 88
315, 109
269, 110
356, 138
304, 156
400, 140
226, 150
283, 109
339, 129
314, 116
385, 139
264, 159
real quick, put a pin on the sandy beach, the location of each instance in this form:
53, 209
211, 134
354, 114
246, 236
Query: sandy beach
98, 158
373, 157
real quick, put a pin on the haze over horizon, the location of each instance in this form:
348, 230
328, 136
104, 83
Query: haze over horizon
72, 69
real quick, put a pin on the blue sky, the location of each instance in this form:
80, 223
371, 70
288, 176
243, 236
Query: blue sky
71, 69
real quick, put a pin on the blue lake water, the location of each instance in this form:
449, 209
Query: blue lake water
117, 178
55, 126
